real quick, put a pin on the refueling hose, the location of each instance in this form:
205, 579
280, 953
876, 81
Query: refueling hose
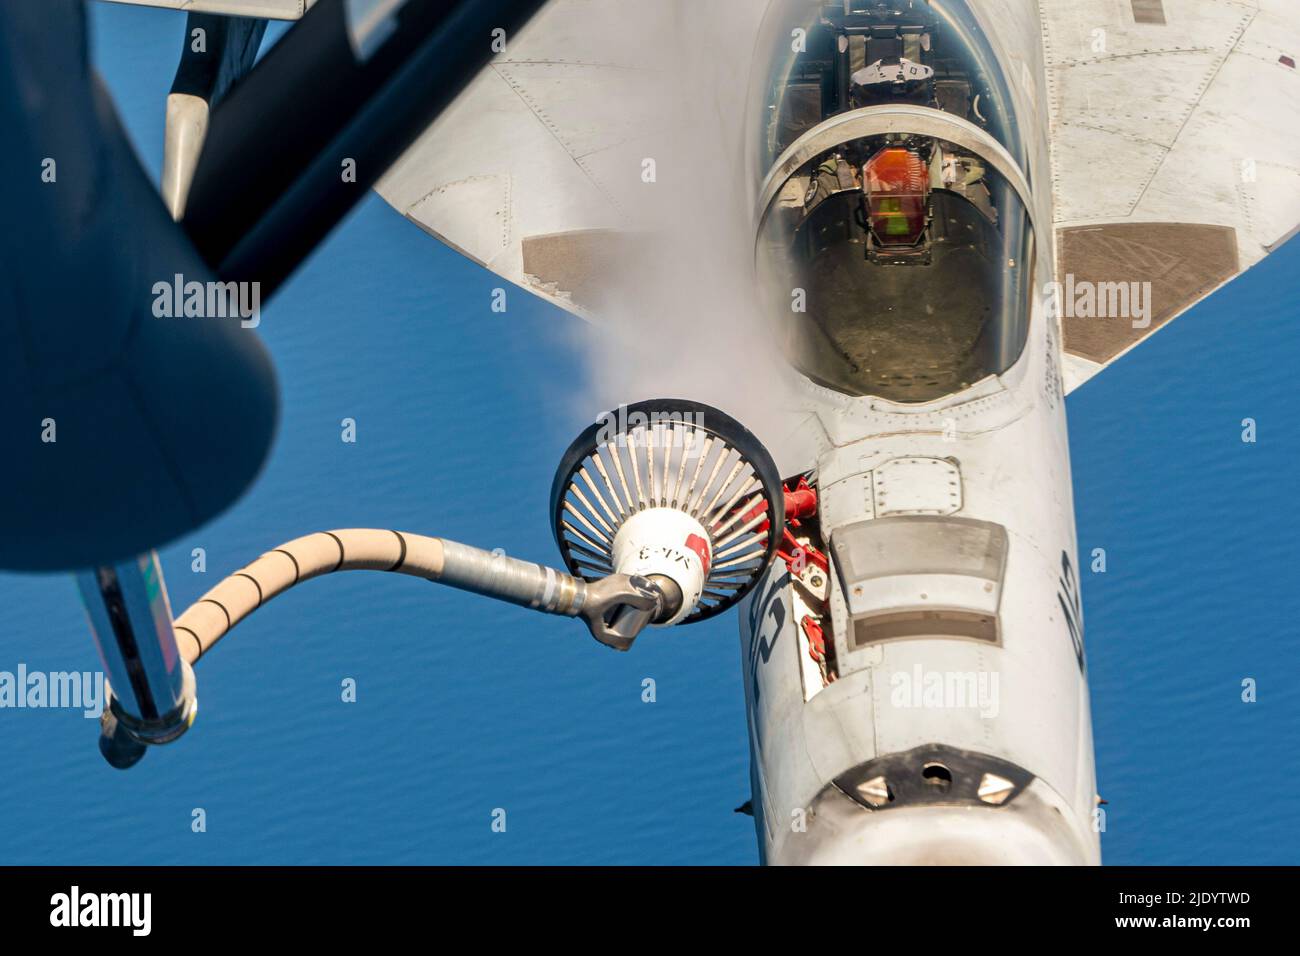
615, 608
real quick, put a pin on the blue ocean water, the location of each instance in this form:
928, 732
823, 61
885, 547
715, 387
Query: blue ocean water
465, 707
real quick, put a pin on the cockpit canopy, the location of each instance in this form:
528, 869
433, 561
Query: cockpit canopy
826, 57
897, 260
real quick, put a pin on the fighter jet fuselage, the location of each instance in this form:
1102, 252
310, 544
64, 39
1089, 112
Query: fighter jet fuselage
914, 669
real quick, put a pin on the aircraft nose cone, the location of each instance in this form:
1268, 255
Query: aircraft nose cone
945, 836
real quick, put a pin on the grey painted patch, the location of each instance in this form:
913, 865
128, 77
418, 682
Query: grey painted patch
1149, 11
921, 576
923, 544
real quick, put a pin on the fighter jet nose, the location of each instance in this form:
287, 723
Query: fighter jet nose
1033, 828
951, 836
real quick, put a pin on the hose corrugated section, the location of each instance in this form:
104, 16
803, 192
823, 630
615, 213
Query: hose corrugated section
368, 549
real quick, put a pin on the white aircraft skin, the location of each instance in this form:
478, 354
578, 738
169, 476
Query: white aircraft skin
1011, 456
1003, 442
